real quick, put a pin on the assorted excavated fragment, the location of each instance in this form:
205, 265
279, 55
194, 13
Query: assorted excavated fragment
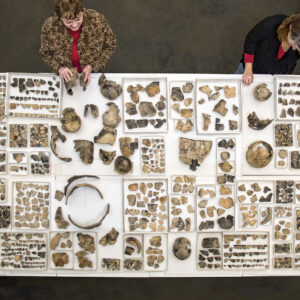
285, 191
59, 219
94, 110
31, 205
18, 135
257, 124
23, 251
226, 161
284, 135
70, 121
33, 96
107, 135
82, 185
153, 155
128, 145
209, 252
56, 135
111, 118
109, 89
111, 264
193, 152
252, 247
152, 88
145, 205
259, 154
73, 82
182, 248
60, 259
110, 238
183, 184
107, 156
215, 207
224, 114
5, 217
295, 159
86, 150
288, 99
182, 213
40, 163
155, 251
261, 92
39, 135
123, 165
184, 125
220, 108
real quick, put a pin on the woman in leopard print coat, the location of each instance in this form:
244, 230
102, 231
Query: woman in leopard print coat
76, 37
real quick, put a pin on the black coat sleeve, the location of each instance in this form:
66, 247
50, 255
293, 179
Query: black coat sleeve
260, 31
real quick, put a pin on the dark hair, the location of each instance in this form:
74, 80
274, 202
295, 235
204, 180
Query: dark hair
68, 8
283, 29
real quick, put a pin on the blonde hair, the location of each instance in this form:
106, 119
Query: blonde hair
292, 21
68, 8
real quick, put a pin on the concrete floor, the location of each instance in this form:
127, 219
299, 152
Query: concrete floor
170, 36
159, 36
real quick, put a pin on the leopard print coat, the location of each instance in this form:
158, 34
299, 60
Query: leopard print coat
96, 42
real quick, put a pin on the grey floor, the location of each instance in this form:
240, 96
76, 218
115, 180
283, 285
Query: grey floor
159, 36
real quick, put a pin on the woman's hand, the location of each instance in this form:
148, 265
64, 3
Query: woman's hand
247, 78
87, 78
248, 74
65, 74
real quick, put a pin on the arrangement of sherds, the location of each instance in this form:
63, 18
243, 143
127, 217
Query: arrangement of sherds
218, 106
34, 96
145, 105
23, 251
245, 251
226, 160
145, 205
215, 207
287, 98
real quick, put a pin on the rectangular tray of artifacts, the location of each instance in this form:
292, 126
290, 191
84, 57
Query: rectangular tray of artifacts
3, 94
209, 251
26, 251
215, 112
145, 108
34, 95
287, 98
182, 99
246, 250
143, 200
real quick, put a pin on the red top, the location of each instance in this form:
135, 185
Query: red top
249, 58
75, 56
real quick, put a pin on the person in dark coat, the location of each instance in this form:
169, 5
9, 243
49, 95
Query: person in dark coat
271, 47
